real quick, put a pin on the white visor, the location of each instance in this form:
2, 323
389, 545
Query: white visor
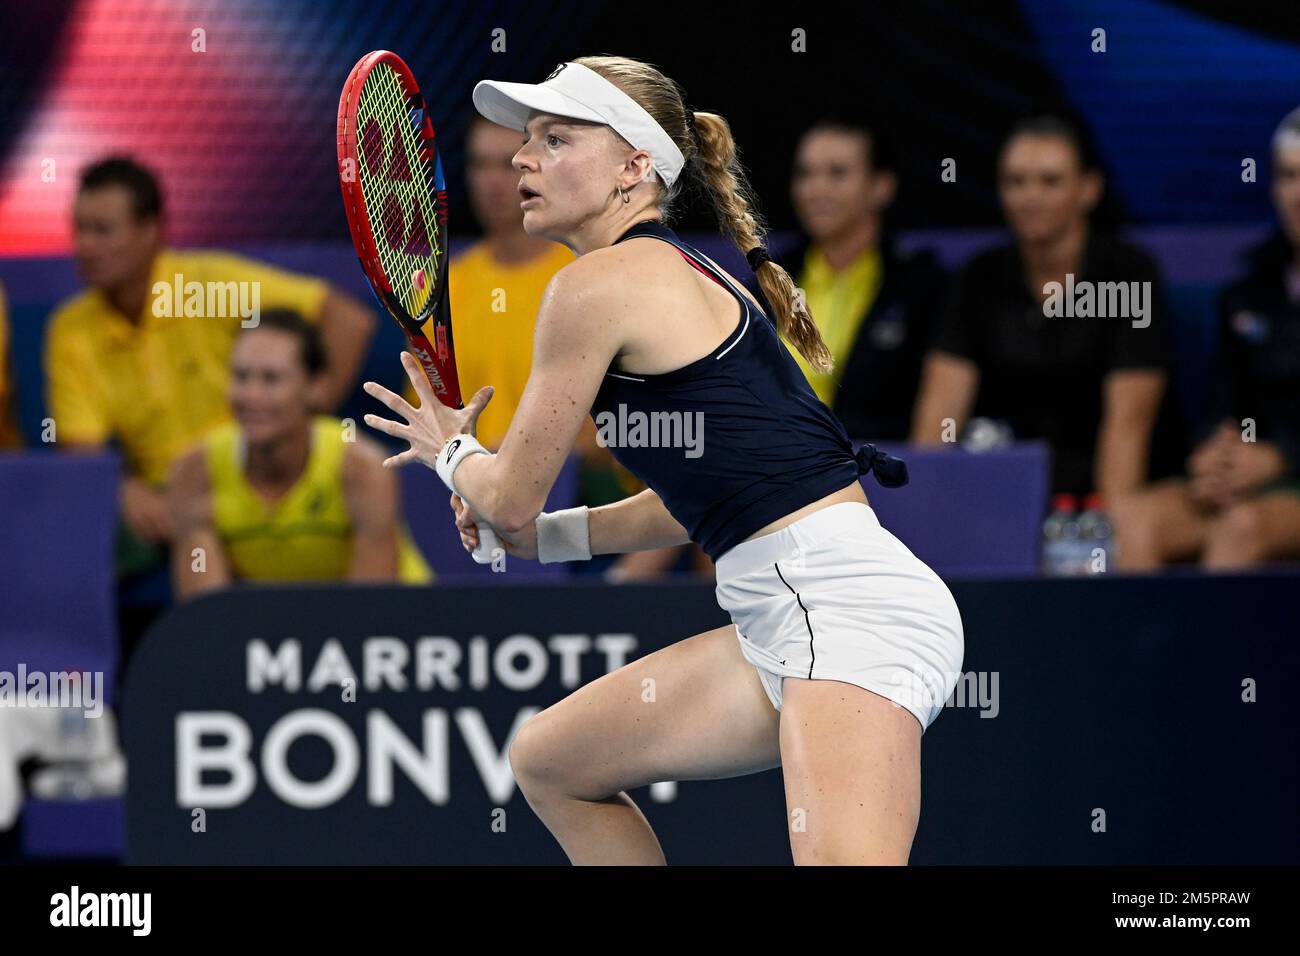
577, 92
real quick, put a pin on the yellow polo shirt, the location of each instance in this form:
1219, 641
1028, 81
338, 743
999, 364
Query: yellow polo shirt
838, 302
493, 311
8, 417
157, 386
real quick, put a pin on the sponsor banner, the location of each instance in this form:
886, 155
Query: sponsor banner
1095, 721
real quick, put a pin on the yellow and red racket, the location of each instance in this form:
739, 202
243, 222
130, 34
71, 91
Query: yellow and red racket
396, 205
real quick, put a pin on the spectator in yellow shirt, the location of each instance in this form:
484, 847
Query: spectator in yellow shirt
142, 356
9, 437
281, 493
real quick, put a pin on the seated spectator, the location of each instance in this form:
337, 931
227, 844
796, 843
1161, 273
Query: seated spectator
282, 494
1238, 506
129, 361
1091, 381
9, 436
877, 307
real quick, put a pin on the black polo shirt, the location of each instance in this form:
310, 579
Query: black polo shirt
1258, 373
1043, 375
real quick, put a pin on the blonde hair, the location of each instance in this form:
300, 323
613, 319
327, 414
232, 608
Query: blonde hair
712, 158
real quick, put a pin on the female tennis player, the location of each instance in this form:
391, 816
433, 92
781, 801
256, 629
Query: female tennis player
844, 646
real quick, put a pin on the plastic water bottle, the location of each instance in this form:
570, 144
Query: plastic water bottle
1060, 537
986, 434
1095, 532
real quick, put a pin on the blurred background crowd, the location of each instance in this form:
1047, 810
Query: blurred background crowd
929, 175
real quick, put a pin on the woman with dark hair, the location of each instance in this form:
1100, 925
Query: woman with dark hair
282, 493
1092, 380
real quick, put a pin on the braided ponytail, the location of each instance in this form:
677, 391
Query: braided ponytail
711, 158
719, 169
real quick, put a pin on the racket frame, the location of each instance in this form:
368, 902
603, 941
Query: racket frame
437, 357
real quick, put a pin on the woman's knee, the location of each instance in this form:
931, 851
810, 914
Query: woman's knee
1136, 519
1238, 532
1151, 525
553, 753
536, 754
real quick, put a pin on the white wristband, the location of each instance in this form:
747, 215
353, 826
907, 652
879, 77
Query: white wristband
564, 535
457, 448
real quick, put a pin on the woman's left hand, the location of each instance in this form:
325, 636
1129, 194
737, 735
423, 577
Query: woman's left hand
428, 427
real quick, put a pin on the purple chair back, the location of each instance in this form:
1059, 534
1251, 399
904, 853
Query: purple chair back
966, 513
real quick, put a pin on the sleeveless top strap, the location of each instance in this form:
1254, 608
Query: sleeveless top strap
660, 231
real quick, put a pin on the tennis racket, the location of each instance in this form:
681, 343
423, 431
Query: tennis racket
396, 205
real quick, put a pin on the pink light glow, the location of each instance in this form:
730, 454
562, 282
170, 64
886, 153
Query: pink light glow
127, 81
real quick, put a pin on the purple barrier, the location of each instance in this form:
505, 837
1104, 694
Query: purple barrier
424, 499
56, 562
966, 513
82, 829
59, 517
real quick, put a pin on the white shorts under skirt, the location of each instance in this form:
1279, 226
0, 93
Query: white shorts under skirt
835, 596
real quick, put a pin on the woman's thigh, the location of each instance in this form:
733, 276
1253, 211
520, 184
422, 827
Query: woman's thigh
852, 766
692, 711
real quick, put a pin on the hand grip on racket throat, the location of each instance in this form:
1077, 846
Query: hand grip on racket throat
488, 542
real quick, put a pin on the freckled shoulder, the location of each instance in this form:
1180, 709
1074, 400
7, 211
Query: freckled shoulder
635, 269
614, 279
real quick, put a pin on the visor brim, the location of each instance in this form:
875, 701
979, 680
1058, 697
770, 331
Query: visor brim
510, 104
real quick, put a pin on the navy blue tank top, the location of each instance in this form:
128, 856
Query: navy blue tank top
734, 440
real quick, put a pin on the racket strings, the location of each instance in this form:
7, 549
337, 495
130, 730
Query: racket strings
399, 188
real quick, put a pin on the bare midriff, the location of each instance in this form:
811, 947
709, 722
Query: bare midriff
851, 492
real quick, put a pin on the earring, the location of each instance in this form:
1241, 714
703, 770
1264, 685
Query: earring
623, 194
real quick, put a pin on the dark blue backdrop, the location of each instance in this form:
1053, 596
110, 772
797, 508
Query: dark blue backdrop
1184, 91
1116, 695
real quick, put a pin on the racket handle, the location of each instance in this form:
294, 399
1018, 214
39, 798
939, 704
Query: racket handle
487, 543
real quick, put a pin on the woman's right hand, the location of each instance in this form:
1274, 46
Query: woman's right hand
521, 544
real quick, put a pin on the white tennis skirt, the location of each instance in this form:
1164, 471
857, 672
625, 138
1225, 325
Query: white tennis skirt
835, 596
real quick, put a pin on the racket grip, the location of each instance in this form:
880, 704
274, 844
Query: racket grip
487, 543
